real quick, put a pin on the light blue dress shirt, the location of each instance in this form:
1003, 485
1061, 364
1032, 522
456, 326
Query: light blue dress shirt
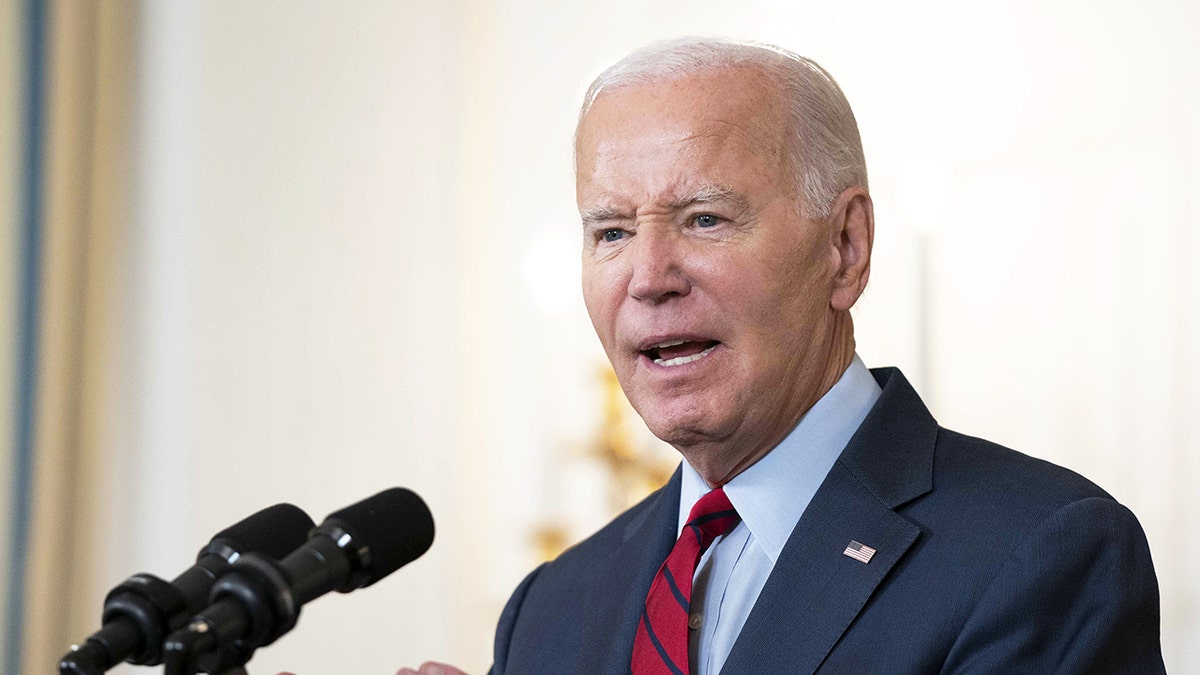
770, 496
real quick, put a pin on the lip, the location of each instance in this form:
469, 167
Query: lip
679, 367
656, 340
688, 369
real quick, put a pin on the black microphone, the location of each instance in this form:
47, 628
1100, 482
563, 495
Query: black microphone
259, 598
144, 609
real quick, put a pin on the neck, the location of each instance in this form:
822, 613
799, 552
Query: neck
720, 465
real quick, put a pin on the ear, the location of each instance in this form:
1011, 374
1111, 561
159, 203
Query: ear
852, 227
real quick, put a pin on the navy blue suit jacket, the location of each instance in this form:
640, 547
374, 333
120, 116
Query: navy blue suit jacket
987, 561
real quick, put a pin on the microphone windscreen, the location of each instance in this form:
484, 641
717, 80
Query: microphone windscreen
395, 526
274, 531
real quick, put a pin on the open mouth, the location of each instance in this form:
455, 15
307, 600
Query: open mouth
679, 352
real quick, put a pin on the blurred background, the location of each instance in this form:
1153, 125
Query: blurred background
301, 251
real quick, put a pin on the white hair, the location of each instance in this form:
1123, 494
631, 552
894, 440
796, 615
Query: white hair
823, 145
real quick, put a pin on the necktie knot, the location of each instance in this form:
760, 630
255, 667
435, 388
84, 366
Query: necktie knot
712, 516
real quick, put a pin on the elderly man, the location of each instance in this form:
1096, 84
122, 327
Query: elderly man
821, 520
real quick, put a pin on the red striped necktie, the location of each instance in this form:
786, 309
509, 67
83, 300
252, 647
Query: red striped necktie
661, 645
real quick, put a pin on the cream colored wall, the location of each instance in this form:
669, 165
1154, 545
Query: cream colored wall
292, 331
347, 218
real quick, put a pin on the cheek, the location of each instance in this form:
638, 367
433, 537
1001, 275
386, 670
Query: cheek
601, 299
805, 274
784, 299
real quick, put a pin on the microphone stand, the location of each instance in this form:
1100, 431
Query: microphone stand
194, 652
258, 606
192, 666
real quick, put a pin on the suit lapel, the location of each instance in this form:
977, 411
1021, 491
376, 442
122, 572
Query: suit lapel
815, 591
618, 585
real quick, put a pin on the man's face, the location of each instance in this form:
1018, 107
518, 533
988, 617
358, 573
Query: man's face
709, 291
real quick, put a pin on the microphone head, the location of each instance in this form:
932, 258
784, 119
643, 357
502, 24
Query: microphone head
390, 530
274, 531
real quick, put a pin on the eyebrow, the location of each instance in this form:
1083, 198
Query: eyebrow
600, 214
708, 194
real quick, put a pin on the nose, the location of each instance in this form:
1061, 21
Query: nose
658, 266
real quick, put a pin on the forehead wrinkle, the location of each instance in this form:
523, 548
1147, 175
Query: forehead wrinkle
708, 194
763, 134
615, 161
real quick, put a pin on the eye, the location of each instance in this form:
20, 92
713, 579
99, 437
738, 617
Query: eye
706, 220
612, 234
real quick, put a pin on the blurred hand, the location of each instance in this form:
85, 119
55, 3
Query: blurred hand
431, 668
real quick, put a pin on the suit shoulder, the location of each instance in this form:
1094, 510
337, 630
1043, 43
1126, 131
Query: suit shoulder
545, 625
610, 535
988, 467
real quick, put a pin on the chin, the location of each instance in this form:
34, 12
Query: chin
681, 426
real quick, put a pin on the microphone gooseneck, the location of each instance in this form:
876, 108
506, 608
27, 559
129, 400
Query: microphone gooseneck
259, 598
144, 609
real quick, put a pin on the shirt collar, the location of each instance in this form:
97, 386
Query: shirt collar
772, 494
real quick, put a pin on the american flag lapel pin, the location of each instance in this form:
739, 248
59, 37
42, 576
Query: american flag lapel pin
860, 552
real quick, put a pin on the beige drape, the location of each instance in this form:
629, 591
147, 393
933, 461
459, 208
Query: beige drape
11, 97
88, 80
